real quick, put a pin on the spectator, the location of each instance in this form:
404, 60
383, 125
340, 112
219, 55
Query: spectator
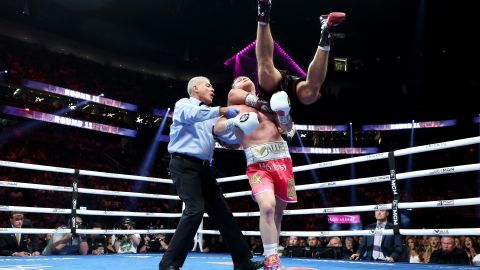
449, 253
67, 243
127, 243
18, 244
432, 244
349, 248
312, 245
293, 249
97, 242
379, 247
470, 247
414, 253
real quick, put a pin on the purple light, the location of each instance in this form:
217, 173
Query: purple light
289, 64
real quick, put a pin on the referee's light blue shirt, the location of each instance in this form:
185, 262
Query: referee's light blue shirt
191, 132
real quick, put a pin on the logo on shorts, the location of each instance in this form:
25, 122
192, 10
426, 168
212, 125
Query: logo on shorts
272, 167
265, 150
291, 188
256, 180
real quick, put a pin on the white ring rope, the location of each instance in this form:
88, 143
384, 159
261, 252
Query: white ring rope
401, 152
28, 166
44, 210
341, 183
376, 179
330, 210
419, 232
384, 178
87, 190
397, 153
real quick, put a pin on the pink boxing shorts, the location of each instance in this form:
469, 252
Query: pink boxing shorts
269, 167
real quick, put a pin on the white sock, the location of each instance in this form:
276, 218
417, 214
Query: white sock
270, 249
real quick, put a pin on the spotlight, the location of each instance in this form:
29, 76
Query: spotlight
17, 92
4, 71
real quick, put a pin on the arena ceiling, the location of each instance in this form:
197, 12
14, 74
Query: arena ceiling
398, 50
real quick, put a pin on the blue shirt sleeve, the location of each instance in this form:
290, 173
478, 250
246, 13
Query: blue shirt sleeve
187, 113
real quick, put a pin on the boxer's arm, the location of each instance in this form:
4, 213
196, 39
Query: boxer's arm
241, 97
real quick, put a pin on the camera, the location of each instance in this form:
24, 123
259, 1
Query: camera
99, 242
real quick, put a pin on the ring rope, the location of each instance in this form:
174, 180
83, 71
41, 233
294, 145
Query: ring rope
27, 209
418, 232
28, 166
397, 153
330, 210
340, 183
401, 152
87, 190
431, 147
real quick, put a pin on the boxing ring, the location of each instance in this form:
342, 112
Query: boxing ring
195, 261
223, 261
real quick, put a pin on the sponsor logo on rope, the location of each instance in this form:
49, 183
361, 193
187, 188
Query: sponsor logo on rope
440, 231
442, 171
380, 207
331, 184
436, 145
321, 233
325, 164
59, 210
378, 178
449, 169
328, 210
446, 203
374, 156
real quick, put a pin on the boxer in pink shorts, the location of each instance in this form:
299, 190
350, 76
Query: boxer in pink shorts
269, 166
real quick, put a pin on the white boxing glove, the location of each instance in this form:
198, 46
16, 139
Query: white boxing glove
280, 104
247, 122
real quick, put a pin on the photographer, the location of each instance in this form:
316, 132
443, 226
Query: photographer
154, 243
97, 243
127, 243
67, 243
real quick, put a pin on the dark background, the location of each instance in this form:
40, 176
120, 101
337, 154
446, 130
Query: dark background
408, 60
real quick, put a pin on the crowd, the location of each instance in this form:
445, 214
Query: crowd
62, 146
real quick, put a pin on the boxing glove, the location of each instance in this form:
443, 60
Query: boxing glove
247, 122
231, 112
280, 104
260, 104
